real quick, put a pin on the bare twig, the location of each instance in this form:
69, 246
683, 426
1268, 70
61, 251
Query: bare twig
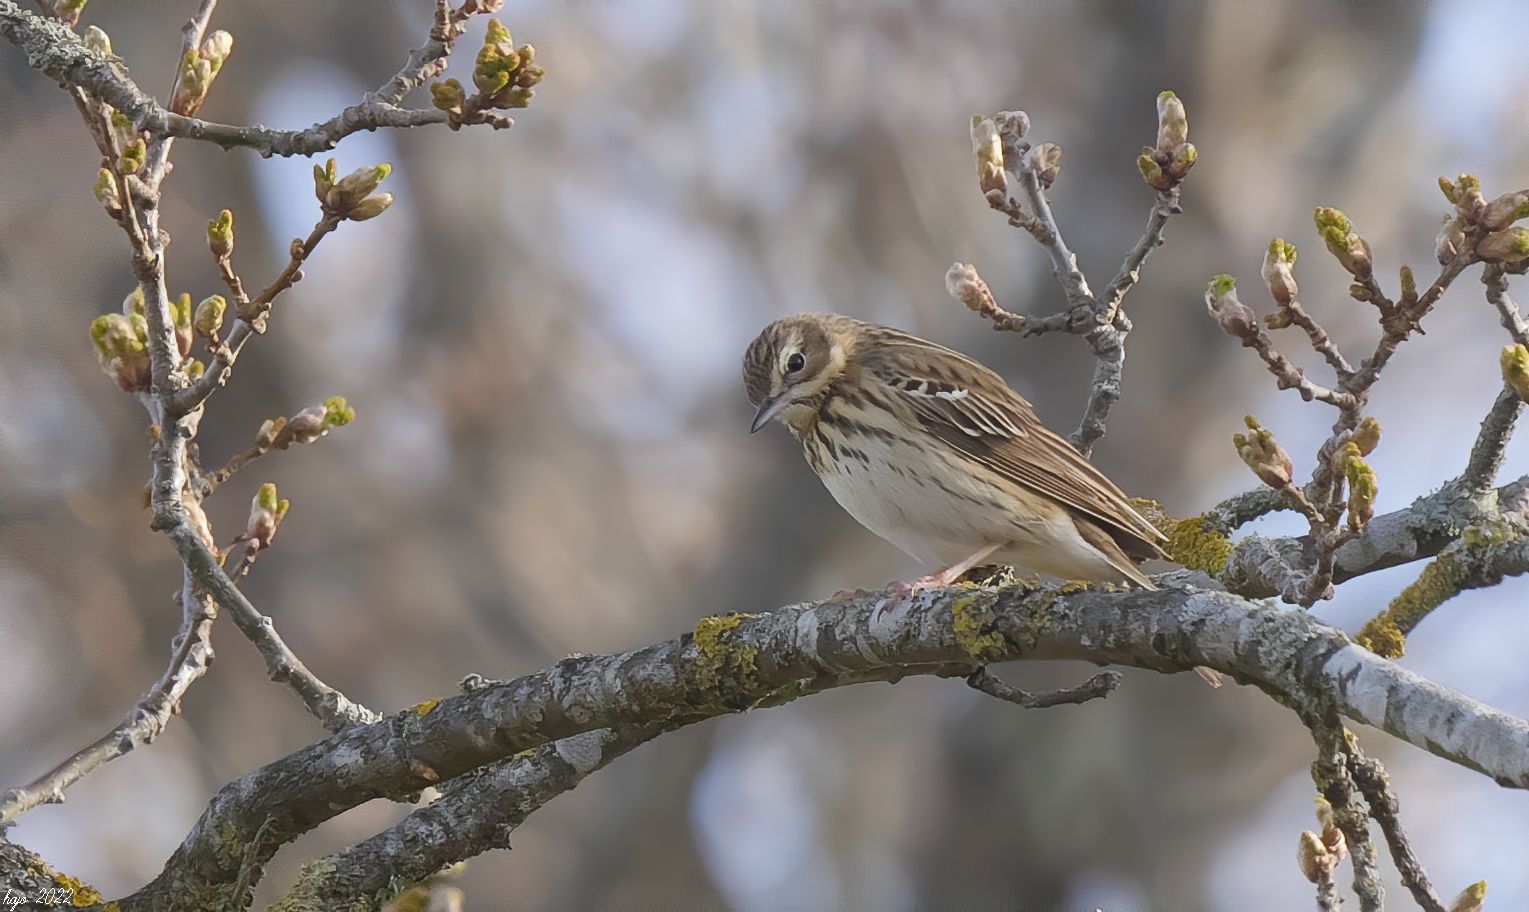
1096, 687
1496, 281
1491, 444
190, 657
1320, 340
158, 158
1398, 330
1327, 892
251, 318
1164, 207
1371, 779
328, 705
1099, 320
1331, 773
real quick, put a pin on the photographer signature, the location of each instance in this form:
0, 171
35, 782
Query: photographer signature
47, 896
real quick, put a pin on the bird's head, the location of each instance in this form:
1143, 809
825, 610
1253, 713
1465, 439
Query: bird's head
790, 364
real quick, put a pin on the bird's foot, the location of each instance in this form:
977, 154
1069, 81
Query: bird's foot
908, 587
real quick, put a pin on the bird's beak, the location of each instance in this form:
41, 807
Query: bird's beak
767, 409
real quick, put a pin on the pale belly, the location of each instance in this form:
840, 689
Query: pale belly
941, 517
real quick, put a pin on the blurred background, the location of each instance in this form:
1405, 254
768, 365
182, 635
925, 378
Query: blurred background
542, 341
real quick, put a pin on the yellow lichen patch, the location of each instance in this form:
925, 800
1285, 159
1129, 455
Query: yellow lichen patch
1381, 636
424, 708
1072, 586
972, 624
721, 664
1386, 633
81, 894
1195, 544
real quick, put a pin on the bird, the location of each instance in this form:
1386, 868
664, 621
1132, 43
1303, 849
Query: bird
938, 455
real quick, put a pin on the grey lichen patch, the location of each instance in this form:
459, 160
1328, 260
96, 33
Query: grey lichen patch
726, 669
309, 893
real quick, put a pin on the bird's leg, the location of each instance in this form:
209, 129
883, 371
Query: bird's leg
946, 575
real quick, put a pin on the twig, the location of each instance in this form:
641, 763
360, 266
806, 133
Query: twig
1240, 509
58, 52
1064, 263
1496, 281
1098, 320
251, 319
1164, 207
1372, 781
1094, 688
1286, 374
1331, 773
190, 657
1398, 330
158, 158
1491, 444
331, 707
247, 558
1320, 340
1327, 892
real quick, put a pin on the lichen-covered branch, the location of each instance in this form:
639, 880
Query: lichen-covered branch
1483, 556
1492, 441
733, 663
468, 820
55, 50
1350, 814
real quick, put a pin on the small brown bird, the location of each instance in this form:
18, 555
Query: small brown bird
936, 454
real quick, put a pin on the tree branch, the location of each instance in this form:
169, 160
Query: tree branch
1492, 441
1099, 320
55, 50
1371, 779
734, 663
190, 657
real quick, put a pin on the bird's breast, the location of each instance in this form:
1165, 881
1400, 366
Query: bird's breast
910, 493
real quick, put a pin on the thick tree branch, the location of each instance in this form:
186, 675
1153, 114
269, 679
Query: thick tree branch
1250, 566
737, 662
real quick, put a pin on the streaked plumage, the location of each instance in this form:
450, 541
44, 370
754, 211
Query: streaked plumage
935, 453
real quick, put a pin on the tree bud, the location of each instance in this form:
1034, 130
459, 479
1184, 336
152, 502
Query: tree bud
1221, 302
988, 149
1172, 123
1263, 454
1277, 272
220, 234
1046, 161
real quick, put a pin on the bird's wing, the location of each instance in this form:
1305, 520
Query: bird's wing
972, 409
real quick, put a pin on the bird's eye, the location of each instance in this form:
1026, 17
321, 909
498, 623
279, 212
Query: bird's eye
795, 363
